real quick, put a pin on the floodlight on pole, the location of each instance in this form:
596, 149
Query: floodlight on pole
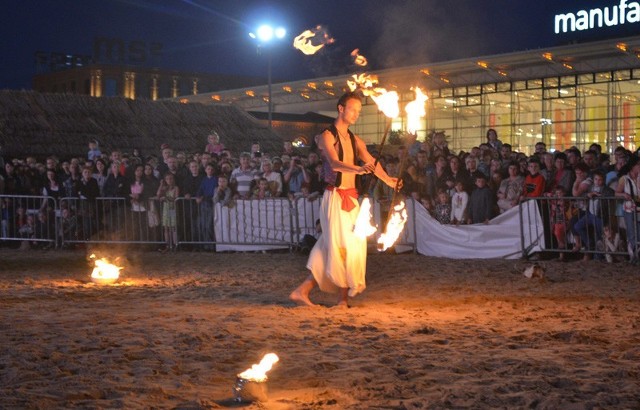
265, 34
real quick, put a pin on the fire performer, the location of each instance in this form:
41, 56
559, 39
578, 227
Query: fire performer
338, 260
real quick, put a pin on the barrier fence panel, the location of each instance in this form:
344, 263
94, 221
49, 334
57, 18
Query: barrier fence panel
189, 225
253, 225
29, 219
602, 227
110, 220
306, 213
587, 226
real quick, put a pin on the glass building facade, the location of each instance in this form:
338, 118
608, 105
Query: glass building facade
573, 95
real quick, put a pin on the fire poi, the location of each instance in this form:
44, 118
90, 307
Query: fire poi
312, 40
250, 384
104, 272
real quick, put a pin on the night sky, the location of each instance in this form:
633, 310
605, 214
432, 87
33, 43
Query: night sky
212, 36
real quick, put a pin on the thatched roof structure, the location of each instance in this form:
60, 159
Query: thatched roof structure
38, 124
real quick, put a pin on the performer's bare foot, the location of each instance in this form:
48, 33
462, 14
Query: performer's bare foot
301, 299
343, 300
342, 304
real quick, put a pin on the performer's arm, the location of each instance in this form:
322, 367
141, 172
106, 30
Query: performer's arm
368, 159
325, 142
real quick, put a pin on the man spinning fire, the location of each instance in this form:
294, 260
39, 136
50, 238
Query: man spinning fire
338, 260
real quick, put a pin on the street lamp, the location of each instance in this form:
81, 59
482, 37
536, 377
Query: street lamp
265, 34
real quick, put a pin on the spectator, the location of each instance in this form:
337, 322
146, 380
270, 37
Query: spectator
534, 182
94, 152
242, 178
459, 202
560, 214
274, 179
167, 193
214, 146
481, 202
296, 175
442, 211
628, 190
262, 190
204, 197
580, 187
589, 227
511, 189
100, 174
492, 139
223, 194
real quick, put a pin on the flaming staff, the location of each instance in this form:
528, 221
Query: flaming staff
397, 216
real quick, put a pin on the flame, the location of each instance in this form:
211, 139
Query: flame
397, 219
363, 227
358, 58
387, 101
415, 110
305, 40
104, 271
258, 372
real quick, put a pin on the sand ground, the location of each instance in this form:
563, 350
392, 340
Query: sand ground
427, 333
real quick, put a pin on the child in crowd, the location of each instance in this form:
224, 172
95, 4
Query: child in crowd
94, 152
442, 211
222, 193
534, 182
481, 202
167, 193
560, 208
262, 190
459, 201
214, 146
609, 243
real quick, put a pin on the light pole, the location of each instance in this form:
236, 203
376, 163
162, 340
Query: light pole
264, 34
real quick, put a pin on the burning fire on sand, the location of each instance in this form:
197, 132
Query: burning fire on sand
104, 271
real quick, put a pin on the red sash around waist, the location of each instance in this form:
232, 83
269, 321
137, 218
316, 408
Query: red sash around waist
345, 195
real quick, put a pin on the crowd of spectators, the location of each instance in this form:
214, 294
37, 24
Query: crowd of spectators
464, 188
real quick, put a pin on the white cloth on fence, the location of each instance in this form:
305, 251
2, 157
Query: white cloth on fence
502, 238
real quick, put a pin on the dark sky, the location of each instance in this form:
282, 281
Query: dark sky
212, 35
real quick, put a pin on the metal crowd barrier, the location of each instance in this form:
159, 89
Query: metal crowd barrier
243, 225
579, 225
29, 219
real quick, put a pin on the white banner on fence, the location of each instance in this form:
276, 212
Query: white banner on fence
253, 225
501, 238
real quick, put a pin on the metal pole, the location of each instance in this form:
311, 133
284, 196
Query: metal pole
269, 85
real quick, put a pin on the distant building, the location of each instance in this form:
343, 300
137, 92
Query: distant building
109, 80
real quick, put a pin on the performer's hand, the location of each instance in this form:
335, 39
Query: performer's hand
366, 169
395, 183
